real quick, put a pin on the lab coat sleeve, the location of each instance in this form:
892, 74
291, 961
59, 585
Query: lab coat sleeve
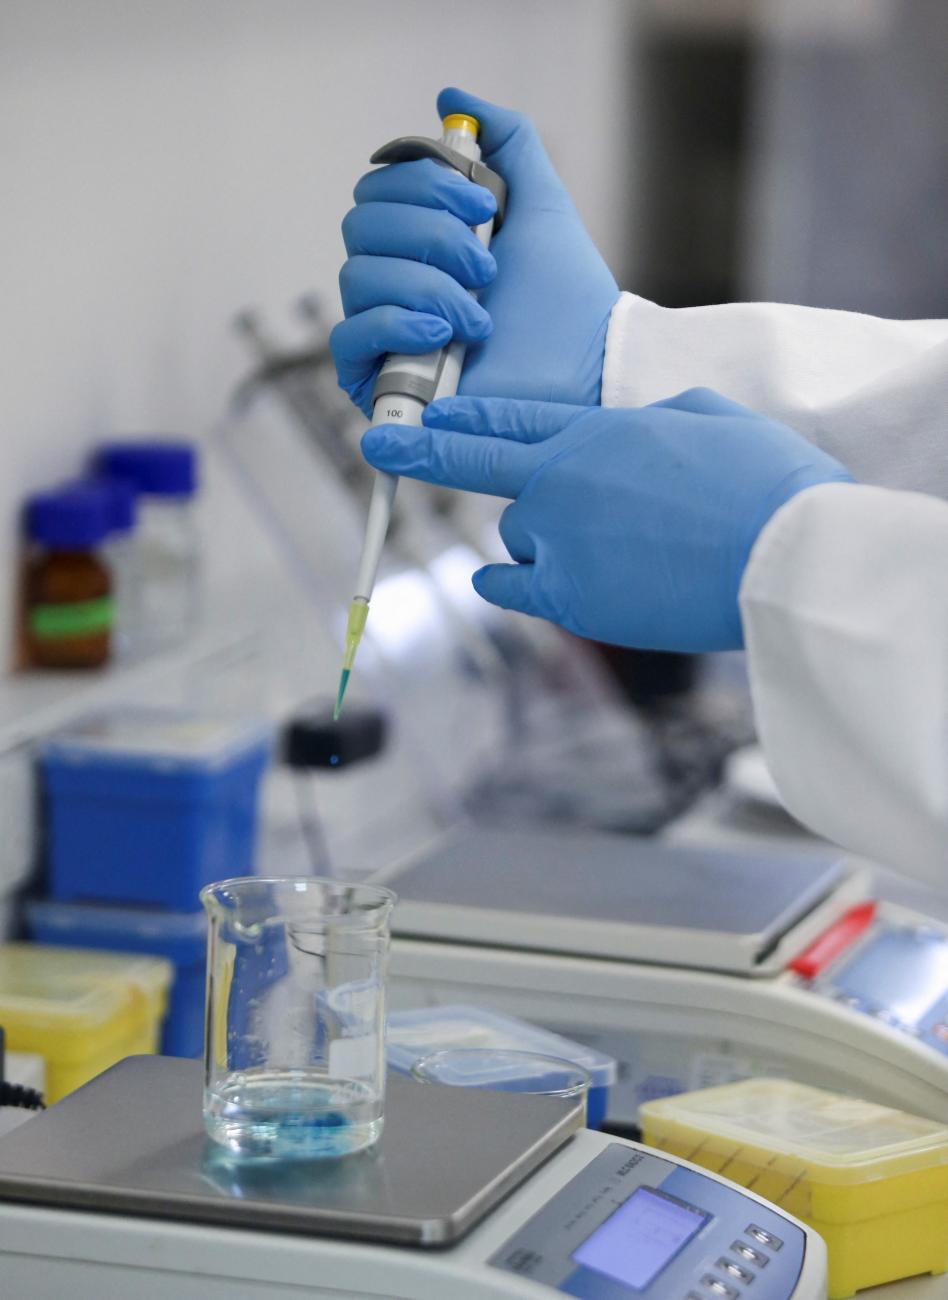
844, 603
871, 392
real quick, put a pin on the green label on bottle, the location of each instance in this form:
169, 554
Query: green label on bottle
78, 618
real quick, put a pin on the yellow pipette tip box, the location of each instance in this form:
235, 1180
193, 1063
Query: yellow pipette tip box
81, 1010
871, 1180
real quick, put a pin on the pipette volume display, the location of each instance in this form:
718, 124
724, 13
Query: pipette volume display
405, 386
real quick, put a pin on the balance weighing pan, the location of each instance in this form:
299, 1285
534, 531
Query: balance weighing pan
132, 1142
595, 894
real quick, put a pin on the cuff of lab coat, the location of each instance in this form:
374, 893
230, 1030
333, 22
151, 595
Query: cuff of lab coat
620, 385
776, 570
844, 604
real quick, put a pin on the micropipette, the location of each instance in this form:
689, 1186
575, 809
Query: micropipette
407, 384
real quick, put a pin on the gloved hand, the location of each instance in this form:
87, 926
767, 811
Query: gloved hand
546, 294
628, 526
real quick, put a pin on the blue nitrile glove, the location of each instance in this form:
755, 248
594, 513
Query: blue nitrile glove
628, 526
545, 293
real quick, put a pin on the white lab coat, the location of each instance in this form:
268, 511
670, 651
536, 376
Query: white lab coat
845, 596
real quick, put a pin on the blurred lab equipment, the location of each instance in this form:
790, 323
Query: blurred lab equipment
299, 376
406, 382
80, 1011
68, 583
315, 739
164, 473
871, 1180
689, 965
469, 1193
178, 937
294, 1049
149, 805
505, 1070
414, 1036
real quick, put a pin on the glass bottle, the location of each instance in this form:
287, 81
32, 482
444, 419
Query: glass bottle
122, 555
164, 475
69, 608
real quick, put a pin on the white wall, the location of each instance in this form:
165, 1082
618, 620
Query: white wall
166, 163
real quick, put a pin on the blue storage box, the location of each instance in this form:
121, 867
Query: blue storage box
149, 806
181, 937
411, 1035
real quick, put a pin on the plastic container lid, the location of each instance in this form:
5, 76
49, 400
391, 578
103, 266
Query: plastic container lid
60, 996
169, 739
157, 467
75, 516
841, 1140
412, 1035
502, 1071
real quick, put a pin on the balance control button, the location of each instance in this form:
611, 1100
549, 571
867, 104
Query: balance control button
718, 1287
847, 1000
764, 1237
887, 1017
736, 1271
750, 1254
924, 933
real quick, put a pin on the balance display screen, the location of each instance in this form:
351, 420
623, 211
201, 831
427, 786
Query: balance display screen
903, 972
641, 1237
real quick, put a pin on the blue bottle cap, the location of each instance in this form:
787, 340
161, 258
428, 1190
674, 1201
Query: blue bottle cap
74, 517
122, 498
156, 467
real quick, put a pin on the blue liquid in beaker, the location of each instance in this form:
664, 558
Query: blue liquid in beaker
292, 1114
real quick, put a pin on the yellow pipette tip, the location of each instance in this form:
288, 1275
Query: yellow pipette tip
358, 613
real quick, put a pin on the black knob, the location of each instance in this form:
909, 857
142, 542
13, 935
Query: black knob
311, 739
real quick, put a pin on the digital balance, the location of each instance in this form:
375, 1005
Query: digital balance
690, 966
469, 1194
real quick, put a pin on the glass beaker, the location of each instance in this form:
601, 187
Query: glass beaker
294, 1048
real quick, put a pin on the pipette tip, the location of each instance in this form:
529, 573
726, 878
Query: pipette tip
358, 613
340, 695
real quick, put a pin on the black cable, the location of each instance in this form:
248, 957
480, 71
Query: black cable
17, 1094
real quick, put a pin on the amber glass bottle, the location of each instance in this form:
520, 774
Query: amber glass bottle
68, 584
